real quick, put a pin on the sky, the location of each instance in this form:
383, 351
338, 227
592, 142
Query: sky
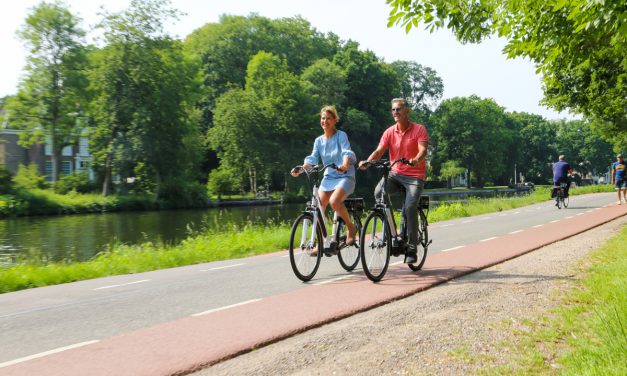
479, 69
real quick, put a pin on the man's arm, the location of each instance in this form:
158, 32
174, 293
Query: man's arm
422, 153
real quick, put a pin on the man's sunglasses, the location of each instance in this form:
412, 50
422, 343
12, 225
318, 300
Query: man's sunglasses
397, 109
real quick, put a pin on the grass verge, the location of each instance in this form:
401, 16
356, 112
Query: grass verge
587, 333
237, 243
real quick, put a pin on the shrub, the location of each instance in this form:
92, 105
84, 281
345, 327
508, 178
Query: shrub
78, 182
6, 183
28, 177
222, 181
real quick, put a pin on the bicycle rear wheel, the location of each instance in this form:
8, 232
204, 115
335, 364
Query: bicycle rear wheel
566, 202
375, 246
348, 255
423, 236
305, 250
560, 201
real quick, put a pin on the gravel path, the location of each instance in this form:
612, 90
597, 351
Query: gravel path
457, 328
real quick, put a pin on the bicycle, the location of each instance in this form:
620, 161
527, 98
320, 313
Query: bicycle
379, 238
309, 238
561, 199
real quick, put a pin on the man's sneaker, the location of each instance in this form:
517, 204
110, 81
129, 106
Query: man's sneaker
411, 258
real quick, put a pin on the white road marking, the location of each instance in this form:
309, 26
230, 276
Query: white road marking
121, 284
569, 217
468, 221
225, 307
451, 249
580, 213
515, 232
448, 225
557, 220
517, 212
536, 226
485, 240
331, 280
35, 356
222, 267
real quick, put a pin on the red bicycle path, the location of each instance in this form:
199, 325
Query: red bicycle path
190, 344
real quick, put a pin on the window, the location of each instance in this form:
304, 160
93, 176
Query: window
48, 171
83, 146
66, 168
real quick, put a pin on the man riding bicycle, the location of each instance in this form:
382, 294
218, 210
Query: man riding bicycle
408, 140
561, 172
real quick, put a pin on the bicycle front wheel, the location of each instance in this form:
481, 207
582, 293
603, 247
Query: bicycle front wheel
305, 247
349, 254
375, 246
560, 202
423, 245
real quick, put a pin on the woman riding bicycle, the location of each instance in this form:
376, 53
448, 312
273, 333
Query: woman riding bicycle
337, 185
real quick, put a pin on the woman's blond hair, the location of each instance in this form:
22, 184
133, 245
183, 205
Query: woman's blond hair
331, 110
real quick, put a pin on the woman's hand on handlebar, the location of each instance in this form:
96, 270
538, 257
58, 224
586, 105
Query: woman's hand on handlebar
296, 171
342, 169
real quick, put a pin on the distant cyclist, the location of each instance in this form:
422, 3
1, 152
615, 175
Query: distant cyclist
561, 172
618, 177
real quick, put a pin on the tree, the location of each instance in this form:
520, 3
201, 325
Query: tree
224, 50
421, 86
270, 125
586, 152
472, 131
450, 170
143, 89
578, 45
537, 145
325, 83
50, 100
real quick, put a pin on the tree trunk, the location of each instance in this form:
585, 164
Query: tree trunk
106, 184
55, 157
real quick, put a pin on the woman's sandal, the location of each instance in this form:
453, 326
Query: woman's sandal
350, 240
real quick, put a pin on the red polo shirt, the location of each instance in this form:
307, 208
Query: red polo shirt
405, 145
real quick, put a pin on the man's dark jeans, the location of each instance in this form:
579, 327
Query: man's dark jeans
413, 188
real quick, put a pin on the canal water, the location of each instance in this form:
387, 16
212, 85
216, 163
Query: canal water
81, 237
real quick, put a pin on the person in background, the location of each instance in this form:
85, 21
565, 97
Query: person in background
561, 173
333, 147
619, 179
408, 140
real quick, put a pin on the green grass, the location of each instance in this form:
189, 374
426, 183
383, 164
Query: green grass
478, 206
587, 333
237, 243
46, 202
124, 259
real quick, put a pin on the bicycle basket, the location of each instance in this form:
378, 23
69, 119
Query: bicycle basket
355, 204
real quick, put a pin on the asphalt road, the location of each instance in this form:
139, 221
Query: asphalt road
49, 319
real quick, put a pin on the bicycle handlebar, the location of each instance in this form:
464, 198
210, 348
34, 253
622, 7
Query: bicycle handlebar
384, 163
316, 168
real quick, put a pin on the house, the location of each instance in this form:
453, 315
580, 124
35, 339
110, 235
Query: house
74, 158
